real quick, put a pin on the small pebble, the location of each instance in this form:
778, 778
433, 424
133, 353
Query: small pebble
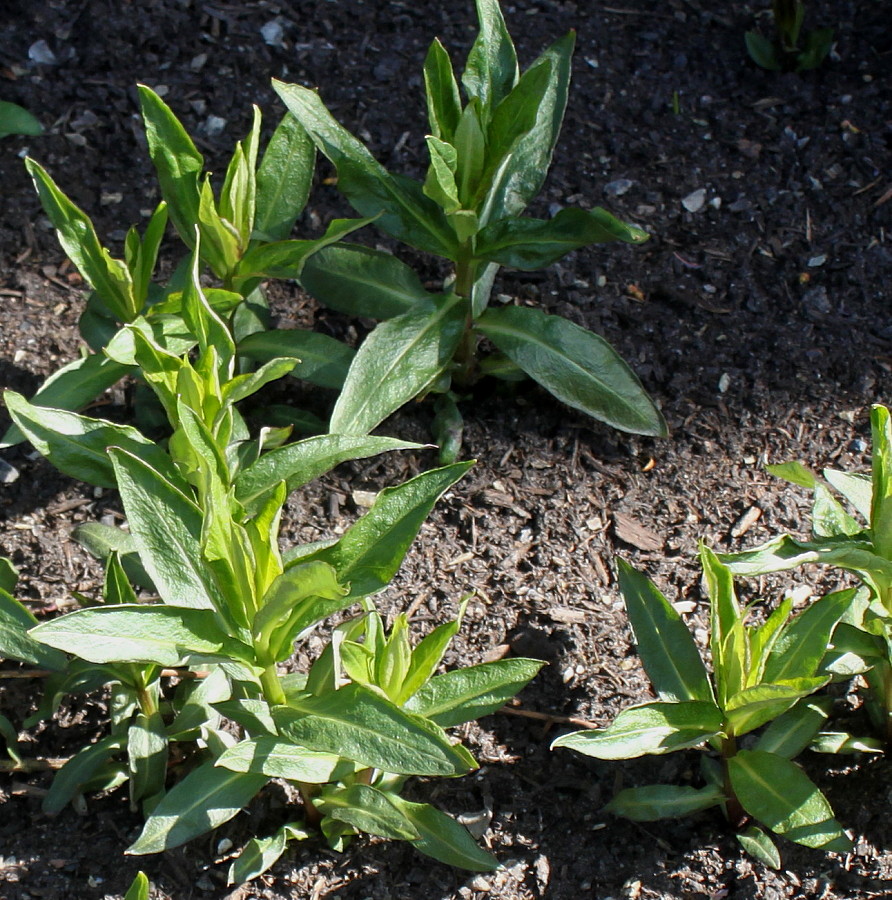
817, 261
694, 201
618, 188
859, 445
272, 34
8, 473
214, 125
724, 382
40, 52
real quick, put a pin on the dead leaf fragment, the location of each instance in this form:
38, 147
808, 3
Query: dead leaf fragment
630, 531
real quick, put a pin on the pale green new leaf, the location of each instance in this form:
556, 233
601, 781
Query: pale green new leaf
163, 635
361, 725
663, 801
371, 551
396, 362
653, 728
271, 756
794, 472
491, 68
855, 487
206, 798
283, 180
139, 889
578, 367
752, 707
829, 519
462, 695
361, 281
667, 650
441, 91
777, 793
881, 501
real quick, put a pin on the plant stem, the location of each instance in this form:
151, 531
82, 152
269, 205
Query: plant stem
272, 687
733, 809
466, 354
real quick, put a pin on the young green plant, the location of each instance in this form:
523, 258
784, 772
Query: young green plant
488, 159
859, 543
203, 519
761, 674
784, 53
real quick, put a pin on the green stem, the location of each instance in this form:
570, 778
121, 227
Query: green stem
466, 354
272, 687
733, 809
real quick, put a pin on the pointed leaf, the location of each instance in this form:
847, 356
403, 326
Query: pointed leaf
206, 798
578, 367
78, 771
653, 728
139, 889
360, 281
855, 487
17, 644
777, 793
361, 725
271, 756
759, 845
789, 734
469, 693
396, 362
794, 472
365, 808
752, 707
441, 91
491, 68
322, 360
260, 854
663, 801
146, 755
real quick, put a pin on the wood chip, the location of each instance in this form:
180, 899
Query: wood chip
567, 616
746, 521
630, 531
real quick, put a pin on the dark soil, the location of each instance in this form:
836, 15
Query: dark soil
759, 323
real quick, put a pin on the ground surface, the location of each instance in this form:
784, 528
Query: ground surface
759, 322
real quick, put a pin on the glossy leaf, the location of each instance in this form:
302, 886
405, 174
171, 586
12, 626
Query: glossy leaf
881, 502
103, 540
441, 91
206, 798
166, 636
759, 845
855, 487
530, 244
78, 771
653, 728
789, 734
322, 360
365, 808
361, 725
260, 854
395, 363
777, 793
283, 180
663, 801
462, 695
16, 120
299, 463
17, 644
752, 707
371, 551
139, 889
668, 652
578, 367
442, 838
829, 519
405, 212
146, 756
71, 387
360, 281
77, 445
491, 68
271, 756
794, 472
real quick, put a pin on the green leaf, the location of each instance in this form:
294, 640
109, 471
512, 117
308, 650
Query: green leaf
855, 487
881, 504
167, 527
146, 756
261, 853
367, 809
578, 367
777, 793
818, 44
653, 728
243, 386
441, 92
139, 889
360, 281
322, 360
520, 176
473, 691
206, 798
271, 756
142, 262
759, 845
752, 707
668, 651
396, 362
165, 636
728, 639
178, 163
663, 801
370, 552
794, 472
789, 734
78, 771
17, 644
16, 120
283, 180
842, 742
109, 277
361, 725
77, 445
440, 184
253, 715
197, 707
491, 68
103, 540
530, 244
239, 191
762, 51
442, 838
428, 654
116, 587
829, 519
9, 575
470, 158
71, 387
802, 644
405, 212
299, 463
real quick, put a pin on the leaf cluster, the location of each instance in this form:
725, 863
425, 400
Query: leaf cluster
785, 53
